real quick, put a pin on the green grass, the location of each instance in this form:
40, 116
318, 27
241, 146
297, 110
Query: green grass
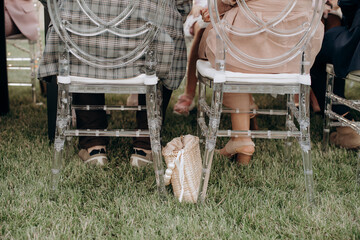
265, 200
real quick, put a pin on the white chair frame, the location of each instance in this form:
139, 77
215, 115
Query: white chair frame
232, 82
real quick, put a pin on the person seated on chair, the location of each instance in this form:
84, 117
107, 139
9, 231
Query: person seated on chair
193, 28
196, 26
244, 147
170, 69
341, 47
21, 18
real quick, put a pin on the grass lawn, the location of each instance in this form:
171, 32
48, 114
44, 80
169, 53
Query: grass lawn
265, 200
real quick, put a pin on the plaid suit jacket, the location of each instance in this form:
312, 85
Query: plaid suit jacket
169, 43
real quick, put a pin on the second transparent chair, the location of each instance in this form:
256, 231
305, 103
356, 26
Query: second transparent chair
265, 25
333, 119
107, 39
29, 62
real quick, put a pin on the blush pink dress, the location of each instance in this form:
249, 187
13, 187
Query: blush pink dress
263, 45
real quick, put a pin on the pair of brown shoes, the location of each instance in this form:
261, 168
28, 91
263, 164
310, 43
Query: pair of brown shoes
95, 157
345, 137
141, 157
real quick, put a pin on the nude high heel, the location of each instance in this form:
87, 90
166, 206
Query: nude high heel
238, 147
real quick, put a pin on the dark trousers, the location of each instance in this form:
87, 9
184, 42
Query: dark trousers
319, 75
141, 118
318, 84
51, 95
90, 119
84, 119
98, 120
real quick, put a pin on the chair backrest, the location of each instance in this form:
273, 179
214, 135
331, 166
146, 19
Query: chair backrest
266, 34
106, 34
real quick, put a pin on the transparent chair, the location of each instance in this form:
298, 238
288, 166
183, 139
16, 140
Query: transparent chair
222, 81
33, 50
332, 119
104, 31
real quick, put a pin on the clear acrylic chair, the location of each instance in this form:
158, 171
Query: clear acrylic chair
222, 81
332, 119
33, 50
119, 26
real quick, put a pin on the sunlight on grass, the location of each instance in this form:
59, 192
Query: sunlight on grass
265, 200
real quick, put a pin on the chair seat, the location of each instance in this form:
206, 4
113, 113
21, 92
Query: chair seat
206, 70
142, 79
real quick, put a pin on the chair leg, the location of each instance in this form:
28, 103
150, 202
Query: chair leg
358, 169
328, 106
214, 121
200, 113
57, 163
52, 96
154, 124
305, 143
33, 61
62, 123
159, 103
289, 120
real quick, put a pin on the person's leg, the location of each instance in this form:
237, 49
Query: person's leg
242, 146
318, 79
52, 94
141, 152
191, 82
318, 82
339, 89
185, 101
343, 136
318, 70
91, 120
141, 119
93, 149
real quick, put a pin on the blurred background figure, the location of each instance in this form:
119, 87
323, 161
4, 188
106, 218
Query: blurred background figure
21, 17
342, 49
